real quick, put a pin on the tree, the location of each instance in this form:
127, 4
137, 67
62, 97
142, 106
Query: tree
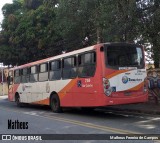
7, 51
28, 28
149, 15
44, 28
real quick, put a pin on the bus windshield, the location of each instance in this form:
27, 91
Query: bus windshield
124, 56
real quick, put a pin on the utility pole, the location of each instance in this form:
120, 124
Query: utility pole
2, 80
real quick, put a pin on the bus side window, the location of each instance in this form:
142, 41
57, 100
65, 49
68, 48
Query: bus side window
43, 72
25, 75
69, 68
55, 70
17, 76
33, 74
86, 64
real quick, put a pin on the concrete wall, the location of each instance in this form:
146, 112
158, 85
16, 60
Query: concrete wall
3, 90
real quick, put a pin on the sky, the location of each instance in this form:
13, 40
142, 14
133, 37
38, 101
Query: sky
2, 3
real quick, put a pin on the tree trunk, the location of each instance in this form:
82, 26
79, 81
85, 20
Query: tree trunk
99, 35
156, 56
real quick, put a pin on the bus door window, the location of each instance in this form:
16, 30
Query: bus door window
17, 76
10, 78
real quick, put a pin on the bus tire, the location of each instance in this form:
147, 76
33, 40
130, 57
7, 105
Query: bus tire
17, 100
55, 104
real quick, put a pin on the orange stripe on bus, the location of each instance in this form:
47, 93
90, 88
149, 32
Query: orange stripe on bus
136, 87
116, 73
67, 88
61, 93
44, 102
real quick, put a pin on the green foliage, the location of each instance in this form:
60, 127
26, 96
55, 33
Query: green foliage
149, 15
29, 30
36, 29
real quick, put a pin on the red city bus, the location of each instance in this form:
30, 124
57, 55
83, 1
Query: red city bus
96, 76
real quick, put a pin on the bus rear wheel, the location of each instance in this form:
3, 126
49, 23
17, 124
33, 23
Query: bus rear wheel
55, 104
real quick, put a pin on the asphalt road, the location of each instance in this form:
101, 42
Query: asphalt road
42, 121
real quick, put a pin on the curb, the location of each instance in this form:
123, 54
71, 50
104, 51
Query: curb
139, 111
3, 97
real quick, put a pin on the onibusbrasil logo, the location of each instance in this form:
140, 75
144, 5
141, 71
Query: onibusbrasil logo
124, 79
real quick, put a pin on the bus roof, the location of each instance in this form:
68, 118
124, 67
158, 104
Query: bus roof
69, 54
56, 57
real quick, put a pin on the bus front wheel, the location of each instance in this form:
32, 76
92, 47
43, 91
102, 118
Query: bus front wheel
55, 104
17, 100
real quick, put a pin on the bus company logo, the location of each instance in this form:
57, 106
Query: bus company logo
124, 79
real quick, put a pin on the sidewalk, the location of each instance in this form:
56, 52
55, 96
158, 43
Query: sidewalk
145, 108
4, 97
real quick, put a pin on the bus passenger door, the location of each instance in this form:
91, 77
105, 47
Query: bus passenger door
10, 86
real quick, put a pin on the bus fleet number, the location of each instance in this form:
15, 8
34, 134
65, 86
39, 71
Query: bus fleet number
87, 80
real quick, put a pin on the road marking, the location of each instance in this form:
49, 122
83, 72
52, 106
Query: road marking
90, 125
80, 123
